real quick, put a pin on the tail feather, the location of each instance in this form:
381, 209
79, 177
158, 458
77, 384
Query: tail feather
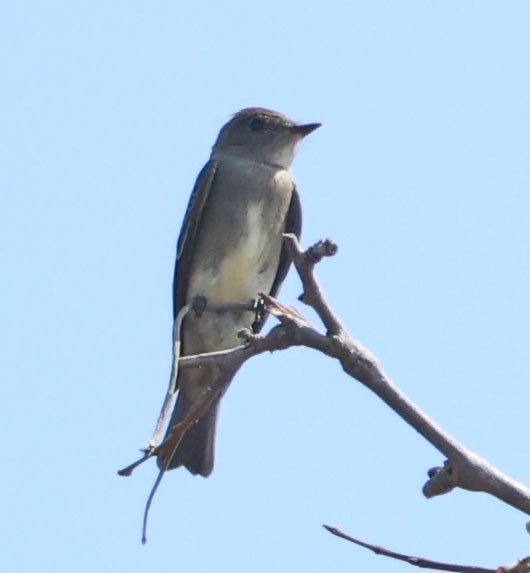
196, 449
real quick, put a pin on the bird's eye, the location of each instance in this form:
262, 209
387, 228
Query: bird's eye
257, 125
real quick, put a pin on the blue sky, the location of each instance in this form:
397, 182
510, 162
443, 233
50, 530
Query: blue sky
421, 174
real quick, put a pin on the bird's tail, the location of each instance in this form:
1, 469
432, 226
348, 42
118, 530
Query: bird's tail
196, 449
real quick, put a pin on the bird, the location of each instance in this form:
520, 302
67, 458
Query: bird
230, 249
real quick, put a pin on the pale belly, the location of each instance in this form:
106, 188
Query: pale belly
246, 268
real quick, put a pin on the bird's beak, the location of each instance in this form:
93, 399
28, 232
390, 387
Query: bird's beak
305, 129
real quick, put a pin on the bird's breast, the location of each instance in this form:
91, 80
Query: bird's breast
241, 263
238, 249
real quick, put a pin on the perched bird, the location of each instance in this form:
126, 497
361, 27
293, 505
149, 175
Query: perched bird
231, 249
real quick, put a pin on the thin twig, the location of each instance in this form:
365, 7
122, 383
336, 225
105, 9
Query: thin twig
304, 262
127, 471
200, 305
417, 561
150, 498
167, 405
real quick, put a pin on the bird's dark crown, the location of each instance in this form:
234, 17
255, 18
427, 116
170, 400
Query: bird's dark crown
267, 115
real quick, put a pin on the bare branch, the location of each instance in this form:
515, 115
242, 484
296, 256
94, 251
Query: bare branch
462, 468
167, 405
521, 566
304, 262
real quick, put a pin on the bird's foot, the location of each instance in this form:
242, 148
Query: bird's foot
247, 335
199, 304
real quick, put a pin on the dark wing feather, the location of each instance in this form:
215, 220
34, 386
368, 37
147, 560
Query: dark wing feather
188, 234
293, 224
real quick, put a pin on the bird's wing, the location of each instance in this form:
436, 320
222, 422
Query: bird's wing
293, 224
188, 234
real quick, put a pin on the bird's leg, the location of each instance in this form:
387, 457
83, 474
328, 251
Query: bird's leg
199, 304
259, 308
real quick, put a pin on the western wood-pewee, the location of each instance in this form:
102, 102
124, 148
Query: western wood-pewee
230, 249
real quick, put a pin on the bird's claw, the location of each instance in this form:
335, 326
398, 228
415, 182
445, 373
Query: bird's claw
199, 304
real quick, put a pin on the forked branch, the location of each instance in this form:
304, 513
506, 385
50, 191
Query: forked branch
462, 468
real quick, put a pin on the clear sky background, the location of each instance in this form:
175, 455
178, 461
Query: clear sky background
421, 174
